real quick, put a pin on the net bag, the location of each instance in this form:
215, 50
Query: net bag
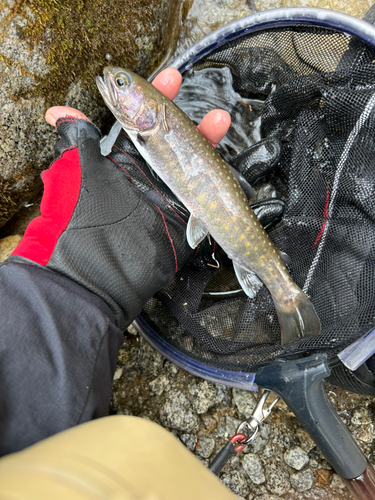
318, 88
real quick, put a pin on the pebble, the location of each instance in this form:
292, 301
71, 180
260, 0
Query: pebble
302, 481
209, 422
118, 373
205, 447
261, 439
277, 479
189, 440
236, 481
245, 402
253, 468
361, 416
337, 482
176, 413
158, 385
231, 425
203, 396
296, 457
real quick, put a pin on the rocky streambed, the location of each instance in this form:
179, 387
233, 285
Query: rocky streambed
282, 462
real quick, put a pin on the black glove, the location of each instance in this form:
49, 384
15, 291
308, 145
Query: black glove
106, 222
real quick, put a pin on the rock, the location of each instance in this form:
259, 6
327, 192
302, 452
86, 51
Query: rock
297, 458
245, 402
361, 416
118, 373
205, 447
49, 55
305, 440
8, 244
222, 394
337, 483
253, 468
189, 441
176, 413
150, 361
236, 482
159, 384
302, 481
261, 439
209, 422
203, 396
277, 479
231, 425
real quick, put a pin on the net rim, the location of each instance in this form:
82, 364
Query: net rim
275, 18
231, 378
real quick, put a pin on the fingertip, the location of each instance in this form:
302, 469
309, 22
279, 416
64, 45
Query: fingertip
215, 125
56, 112
168, 82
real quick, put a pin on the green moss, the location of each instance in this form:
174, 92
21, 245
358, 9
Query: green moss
76, 35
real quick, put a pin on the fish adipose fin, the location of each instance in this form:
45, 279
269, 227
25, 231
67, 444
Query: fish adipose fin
298, 319
249, 281
196, 231
250, 193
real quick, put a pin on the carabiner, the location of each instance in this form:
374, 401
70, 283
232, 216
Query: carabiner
250, 427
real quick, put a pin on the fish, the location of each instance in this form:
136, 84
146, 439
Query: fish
205, 183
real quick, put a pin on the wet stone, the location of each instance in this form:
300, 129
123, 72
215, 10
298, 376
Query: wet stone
205, 447
253, 468
203, 396
296, 457
364, 433
305, 440
302, 481
209, 422
245, 402
222, 394
361, 416
176, 413
261, 439
231, 425
236, 482
277, 479
189, 440
158, 385
337, 482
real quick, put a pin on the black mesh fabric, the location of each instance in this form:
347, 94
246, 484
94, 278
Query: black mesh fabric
319, 92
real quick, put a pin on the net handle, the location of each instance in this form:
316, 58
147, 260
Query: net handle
300, 384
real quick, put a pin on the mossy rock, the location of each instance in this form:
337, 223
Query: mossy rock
50, 53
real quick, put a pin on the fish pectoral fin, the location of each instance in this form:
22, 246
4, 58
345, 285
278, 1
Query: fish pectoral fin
248, 280
285, 257
249, 192
196, 231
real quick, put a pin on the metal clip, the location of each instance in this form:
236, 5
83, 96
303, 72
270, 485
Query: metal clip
250, 427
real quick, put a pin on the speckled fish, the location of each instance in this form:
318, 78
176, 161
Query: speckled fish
176, 150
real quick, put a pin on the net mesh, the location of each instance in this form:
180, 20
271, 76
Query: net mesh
318, 86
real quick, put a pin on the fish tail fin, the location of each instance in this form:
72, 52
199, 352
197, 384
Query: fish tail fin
297, 318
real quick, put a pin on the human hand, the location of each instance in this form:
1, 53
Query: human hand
107, 222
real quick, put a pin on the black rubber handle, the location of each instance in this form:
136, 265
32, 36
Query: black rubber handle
222, 458
300, 384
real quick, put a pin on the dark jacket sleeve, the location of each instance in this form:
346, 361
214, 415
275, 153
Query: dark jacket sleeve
58, 352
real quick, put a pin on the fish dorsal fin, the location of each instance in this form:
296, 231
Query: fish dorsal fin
196, 231
249, 281
246, 188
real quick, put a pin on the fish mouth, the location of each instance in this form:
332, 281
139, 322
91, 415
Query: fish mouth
106, 87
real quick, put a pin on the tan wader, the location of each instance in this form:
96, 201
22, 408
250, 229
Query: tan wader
112, 458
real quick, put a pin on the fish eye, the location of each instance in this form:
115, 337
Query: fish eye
122, 80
